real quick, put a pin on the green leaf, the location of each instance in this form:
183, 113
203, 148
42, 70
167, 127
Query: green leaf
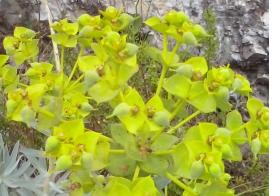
207, 129
199, 64
9, 75
155, 103
3, 59
144, 186
184, 69
177, 85
102, 92
28, 116
88, 63
133, 123
128, 141
233, 120
101, 155
86, 19
204, 102
99, 51
153, 21
64, 40
164, 142
89, 139
120, 135
69, 129
254, 105
216, 188
222, 98
23, 33
119, 188
10, 44
155, 164
133, 98
181, 157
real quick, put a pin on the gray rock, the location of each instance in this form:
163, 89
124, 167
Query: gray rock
242, 25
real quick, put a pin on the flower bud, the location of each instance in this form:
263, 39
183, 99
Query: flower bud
64, 162
215, 170
226, 150
91, 77
199, 31
130, 49
189, 38
100, 179
162, 118
52, 144
226, 177
197, 169
256, 146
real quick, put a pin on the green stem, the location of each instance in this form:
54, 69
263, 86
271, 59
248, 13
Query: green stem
174, 50
62, 59
172, 129
49, 114
166, 191
117, 151
73, 85
241, 127
177, 108
122, 96
136, 173
162, 76
166, 65
176, 181
74, 67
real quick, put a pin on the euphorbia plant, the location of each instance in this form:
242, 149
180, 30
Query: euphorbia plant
143, 142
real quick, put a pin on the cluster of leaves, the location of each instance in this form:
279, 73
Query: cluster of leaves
143, 144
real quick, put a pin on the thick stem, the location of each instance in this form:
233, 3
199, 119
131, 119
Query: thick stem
173, 129
62, 58
136, 173
176, 181
72, 86
117, 151
166, 65
74, 67
162, 76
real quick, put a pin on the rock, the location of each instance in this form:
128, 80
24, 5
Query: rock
242, 25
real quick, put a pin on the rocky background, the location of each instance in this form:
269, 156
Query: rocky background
242, 26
